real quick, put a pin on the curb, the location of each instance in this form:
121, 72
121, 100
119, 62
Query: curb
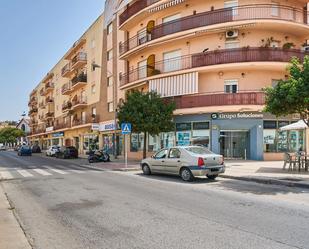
268, 181
127, 169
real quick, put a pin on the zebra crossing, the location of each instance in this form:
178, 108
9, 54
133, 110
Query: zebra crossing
42, 171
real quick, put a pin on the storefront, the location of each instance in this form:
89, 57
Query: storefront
240, 135
107, 137
57, 138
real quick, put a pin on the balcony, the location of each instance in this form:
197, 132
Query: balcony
66, 89
79, 102
59, 126
83, 121
42, 105
66, 71
79, 60
42, 92
33, 111
49, 87
49, 100
49, 115
66, 106
79, 81
225, 15
219, 99
217, 57
33, 101
134, 9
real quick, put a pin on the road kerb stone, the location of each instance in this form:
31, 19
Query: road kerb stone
268, 181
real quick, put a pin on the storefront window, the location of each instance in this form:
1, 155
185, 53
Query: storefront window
163, 140
91, 142
282, 141
137, 142
201, 134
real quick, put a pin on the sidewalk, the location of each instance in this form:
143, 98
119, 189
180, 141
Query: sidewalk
11, 234
265, 172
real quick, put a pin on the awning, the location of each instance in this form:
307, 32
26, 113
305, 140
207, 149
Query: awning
300, 125
165, 5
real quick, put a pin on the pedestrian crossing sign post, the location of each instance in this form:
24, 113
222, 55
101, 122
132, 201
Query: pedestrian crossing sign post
126, 129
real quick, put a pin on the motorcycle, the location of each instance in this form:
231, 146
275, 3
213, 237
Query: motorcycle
98, 156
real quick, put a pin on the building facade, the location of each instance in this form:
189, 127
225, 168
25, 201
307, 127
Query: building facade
213, 58
65, 106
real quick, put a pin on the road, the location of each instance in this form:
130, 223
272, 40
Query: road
62, 204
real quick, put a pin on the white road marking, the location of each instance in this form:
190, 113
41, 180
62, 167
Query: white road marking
59, 171
6, 175
24, 173
42, 172
95, 171
76, 171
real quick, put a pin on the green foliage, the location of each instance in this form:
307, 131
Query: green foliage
9, 135
147, 113
291, 96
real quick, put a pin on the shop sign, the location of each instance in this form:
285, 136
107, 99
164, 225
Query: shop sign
58, 134
49, 129
109, 126
95, 127
238, 115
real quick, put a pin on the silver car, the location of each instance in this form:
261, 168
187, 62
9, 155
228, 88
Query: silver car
185, 161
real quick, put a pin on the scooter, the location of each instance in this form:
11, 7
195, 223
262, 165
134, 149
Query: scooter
98, 156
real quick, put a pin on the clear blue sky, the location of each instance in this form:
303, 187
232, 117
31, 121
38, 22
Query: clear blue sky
35, 34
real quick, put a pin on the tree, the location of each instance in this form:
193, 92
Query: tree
148, 114
10, 134
291, 96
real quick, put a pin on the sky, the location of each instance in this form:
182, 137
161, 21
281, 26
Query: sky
34, 35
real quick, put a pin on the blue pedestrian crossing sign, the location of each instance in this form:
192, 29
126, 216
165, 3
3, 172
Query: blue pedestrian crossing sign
126, 128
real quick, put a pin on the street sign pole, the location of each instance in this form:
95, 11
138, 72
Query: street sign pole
126, 129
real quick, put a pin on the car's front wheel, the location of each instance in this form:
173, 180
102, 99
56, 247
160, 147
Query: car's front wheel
212, 177
146, 169
186, 175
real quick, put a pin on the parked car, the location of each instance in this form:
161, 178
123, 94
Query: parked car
36, 149
3, 148
185, 161
67, 152
24, 150
52, 150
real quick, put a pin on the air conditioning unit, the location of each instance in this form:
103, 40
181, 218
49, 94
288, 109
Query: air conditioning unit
231, 34
306, 48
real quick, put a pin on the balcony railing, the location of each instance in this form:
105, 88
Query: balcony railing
42, 92
66, 88
82, 78
33, 111
77, 101
66, 70
49, 115
66, 106
217, 57
79, 59
254, 97
59, 126
241, 13
42, 104
49, 100
87, 120
134, 8
49, 86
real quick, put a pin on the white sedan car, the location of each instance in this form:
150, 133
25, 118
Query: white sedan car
186, 161
52, 150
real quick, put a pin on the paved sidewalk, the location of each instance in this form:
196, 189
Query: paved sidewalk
11, 234
266, 172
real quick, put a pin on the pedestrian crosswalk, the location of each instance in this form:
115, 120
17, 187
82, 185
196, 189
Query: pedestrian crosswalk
42, 171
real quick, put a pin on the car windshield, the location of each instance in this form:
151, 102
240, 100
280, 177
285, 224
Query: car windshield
199, 150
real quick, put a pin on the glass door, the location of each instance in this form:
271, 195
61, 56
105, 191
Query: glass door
235, 144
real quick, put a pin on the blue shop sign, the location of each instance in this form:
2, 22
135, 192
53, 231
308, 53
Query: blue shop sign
58, 134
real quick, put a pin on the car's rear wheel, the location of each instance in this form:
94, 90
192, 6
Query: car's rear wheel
212, 177
186, 175
146, 169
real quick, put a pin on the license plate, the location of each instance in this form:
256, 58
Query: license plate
214, 170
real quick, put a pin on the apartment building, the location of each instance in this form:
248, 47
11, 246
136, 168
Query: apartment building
213, 58
65, 105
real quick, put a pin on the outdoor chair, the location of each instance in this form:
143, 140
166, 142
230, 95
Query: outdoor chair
288, 159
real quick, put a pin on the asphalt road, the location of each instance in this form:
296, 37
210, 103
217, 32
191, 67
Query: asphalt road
64, 205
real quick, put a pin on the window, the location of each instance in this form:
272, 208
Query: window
93, 43
274, 82
93, 89
230, 86
137, 142
232, 4
171, 18
172, 61
110, 28
142, 69
275, 9
174, 153
142, 36
109, 55
110, 106
161, 154
110, 81
83, 115
94, 111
